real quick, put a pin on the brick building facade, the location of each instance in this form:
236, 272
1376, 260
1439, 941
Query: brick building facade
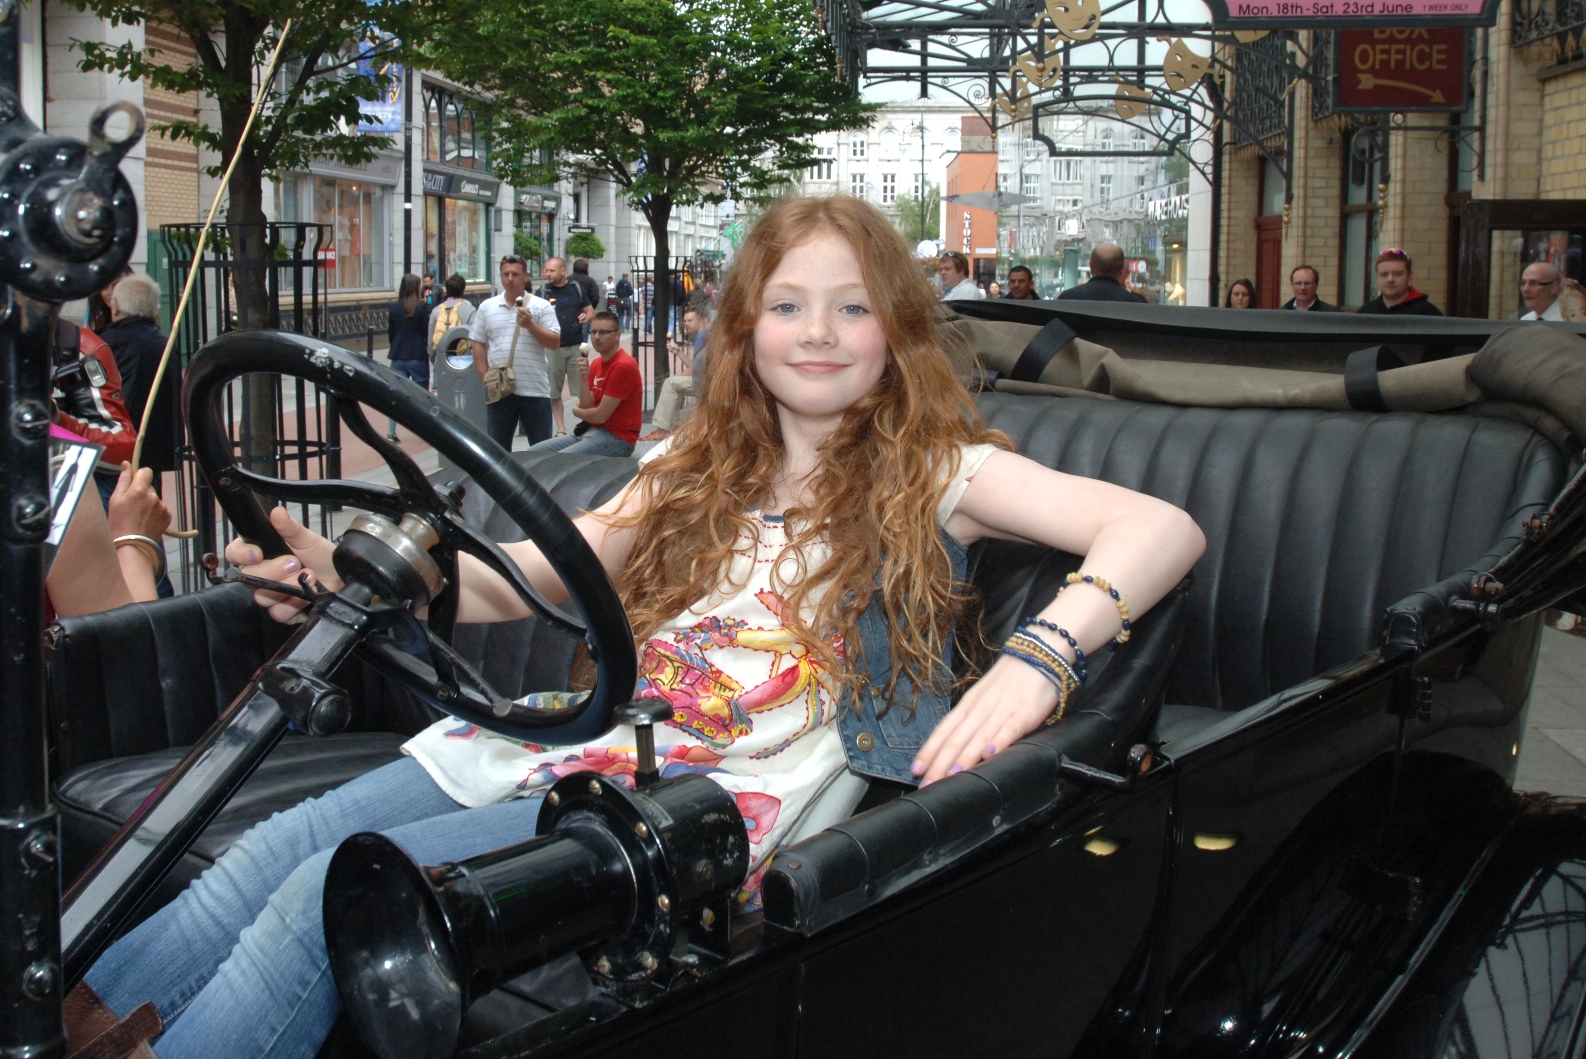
1472, 196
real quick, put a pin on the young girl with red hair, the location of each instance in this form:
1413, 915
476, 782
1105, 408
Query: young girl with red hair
792, 565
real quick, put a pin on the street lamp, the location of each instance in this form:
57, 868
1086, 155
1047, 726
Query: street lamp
919, 128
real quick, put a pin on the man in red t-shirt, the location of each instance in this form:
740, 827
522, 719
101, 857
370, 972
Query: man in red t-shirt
610, 396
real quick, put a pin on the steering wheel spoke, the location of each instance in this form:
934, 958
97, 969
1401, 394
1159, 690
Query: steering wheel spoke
378, 498
414, 488
489, 552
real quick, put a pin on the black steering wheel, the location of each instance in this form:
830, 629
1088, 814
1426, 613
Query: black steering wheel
443, 679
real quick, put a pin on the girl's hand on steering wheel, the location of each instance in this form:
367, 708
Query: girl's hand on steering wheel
1009, 702
310, 552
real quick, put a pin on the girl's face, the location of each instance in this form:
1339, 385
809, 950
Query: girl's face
1240, 296
818, 344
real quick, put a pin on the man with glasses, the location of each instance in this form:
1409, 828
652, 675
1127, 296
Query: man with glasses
1396, 295
1540, 287
503, 333
610, 396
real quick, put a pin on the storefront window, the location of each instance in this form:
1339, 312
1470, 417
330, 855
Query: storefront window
1362, 174
450, 133
356, 219
456, 238
432, 127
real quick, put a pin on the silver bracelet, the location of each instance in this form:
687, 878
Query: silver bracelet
153, 546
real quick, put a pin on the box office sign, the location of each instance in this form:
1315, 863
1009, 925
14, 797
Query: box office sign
1403, 69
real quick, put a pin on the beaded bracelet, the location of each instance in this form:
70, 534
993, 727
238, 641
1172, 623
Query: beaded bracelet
1060, 678
1106, 586
1032, 644
1079, 656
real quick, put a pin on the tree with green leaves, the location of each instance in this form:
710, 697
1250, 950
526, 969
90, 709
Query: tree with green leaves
919, 221
677, 101
338, 55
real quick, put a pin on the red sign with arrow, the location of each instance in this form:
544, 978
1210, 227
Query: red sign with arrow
1402, 69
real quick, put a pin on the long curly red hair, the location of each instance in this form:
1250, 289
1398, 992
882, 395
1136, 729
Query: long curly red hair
880, 477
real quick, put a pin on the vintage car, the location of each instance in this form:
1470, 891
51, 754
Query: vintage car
1279, 821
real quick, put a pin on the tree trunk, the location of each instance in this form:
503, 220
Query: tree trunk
249, 279
658, 211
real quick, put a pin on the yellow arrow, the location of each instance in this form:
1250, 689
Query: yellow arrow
1370, 81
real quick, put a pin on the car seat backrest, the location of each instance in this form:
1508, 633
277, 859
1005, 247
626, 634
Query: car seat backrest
1316, 521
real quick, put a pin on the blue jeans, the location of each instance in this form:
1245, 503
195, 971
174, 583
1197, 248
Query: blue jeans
503, 418
417, 370
596, 441
236, 965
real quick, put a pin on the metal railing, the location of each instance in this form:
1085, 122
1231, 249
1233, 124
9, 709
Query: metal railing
1558, 24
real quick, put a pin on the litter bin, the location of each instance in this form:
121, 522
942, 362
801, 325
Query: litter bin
457, 386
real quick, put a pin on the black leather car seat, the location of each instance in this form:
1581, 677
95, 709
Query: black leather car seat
1323, 528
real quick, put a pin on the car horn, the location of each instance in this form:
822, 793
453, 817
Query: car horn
620, 876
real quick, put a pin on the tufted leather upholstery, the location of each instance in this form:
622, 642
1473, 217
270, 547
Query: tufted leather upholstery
1316, 522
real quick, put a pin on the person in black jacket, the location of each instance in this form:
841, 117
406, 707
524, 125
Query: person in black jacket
1303, 281
408, 328
1396, 295
1108, 267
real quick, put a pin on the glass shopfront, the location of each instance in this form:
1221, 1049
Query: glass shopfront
457, 237
536, 217
357, 216
458, 197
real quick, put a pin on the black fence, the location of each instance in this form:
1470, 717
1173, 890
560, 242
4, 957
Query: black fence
694, 282
269, 277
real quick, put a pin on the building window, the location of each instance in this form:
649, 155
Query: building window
449, 133
856, 145
823, 169
919, 184
856, 185
455, 237
1105, 186
356, 216
1106, 139
889, 188
1002, 181
889, 143
1032, 185
1067, 171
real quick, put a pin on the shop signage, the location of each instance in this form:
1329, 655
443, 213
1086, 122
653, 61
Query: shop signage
1402, 69
383, 114
967, 228
574, 229
460, 185
1349, 14
1168, 204
539, 201
327, 257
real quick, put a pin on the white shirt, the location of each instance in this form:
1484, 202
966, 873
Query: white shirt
493, 324
965, 291
751, 709
1552, 312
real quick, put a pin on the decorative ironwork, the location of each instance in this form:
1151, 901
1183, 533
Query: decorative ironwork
1261, 81
1324, 47
1037, 61
1558, 25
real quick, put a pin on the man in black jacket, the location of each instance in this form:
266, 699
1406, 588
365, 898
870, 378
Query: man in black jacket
1396, 295
1108, 267
1303, 281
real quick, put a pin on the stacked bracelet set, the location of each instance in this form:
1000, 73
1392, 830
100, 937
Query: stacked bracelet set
149, 544
1066, 676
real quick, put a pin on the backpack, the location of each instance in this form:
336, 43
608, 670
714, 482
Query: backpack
445, 320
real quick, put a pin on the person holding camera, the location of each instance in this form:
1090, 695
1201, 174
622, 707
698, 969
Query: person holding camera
610, 396
509, 334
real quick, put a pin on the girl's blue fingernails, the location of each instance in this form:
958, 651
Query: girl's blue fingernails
290, 566
989, 751
926, 784
956, 768
252, 557
917, 767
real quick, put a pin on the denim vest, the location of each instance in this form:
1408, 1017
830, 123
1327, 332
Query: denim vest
884, 746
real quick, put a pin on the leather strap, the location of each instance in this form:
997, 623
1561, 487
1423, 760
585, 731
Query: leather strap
94, 1032
1046, 344
1360, 377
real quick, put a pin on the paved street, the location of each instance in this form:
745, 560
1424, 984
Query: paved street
1553, 752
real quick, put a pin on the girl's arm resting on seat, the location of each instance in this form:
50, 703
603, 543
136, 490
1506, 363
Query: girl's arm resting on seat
1142, 545
486, 597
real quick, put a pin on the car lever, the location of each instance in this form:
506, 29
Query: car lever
306, 589
644, 714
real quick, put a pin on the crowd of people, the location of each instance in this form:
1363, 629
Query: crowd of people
1541, 286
